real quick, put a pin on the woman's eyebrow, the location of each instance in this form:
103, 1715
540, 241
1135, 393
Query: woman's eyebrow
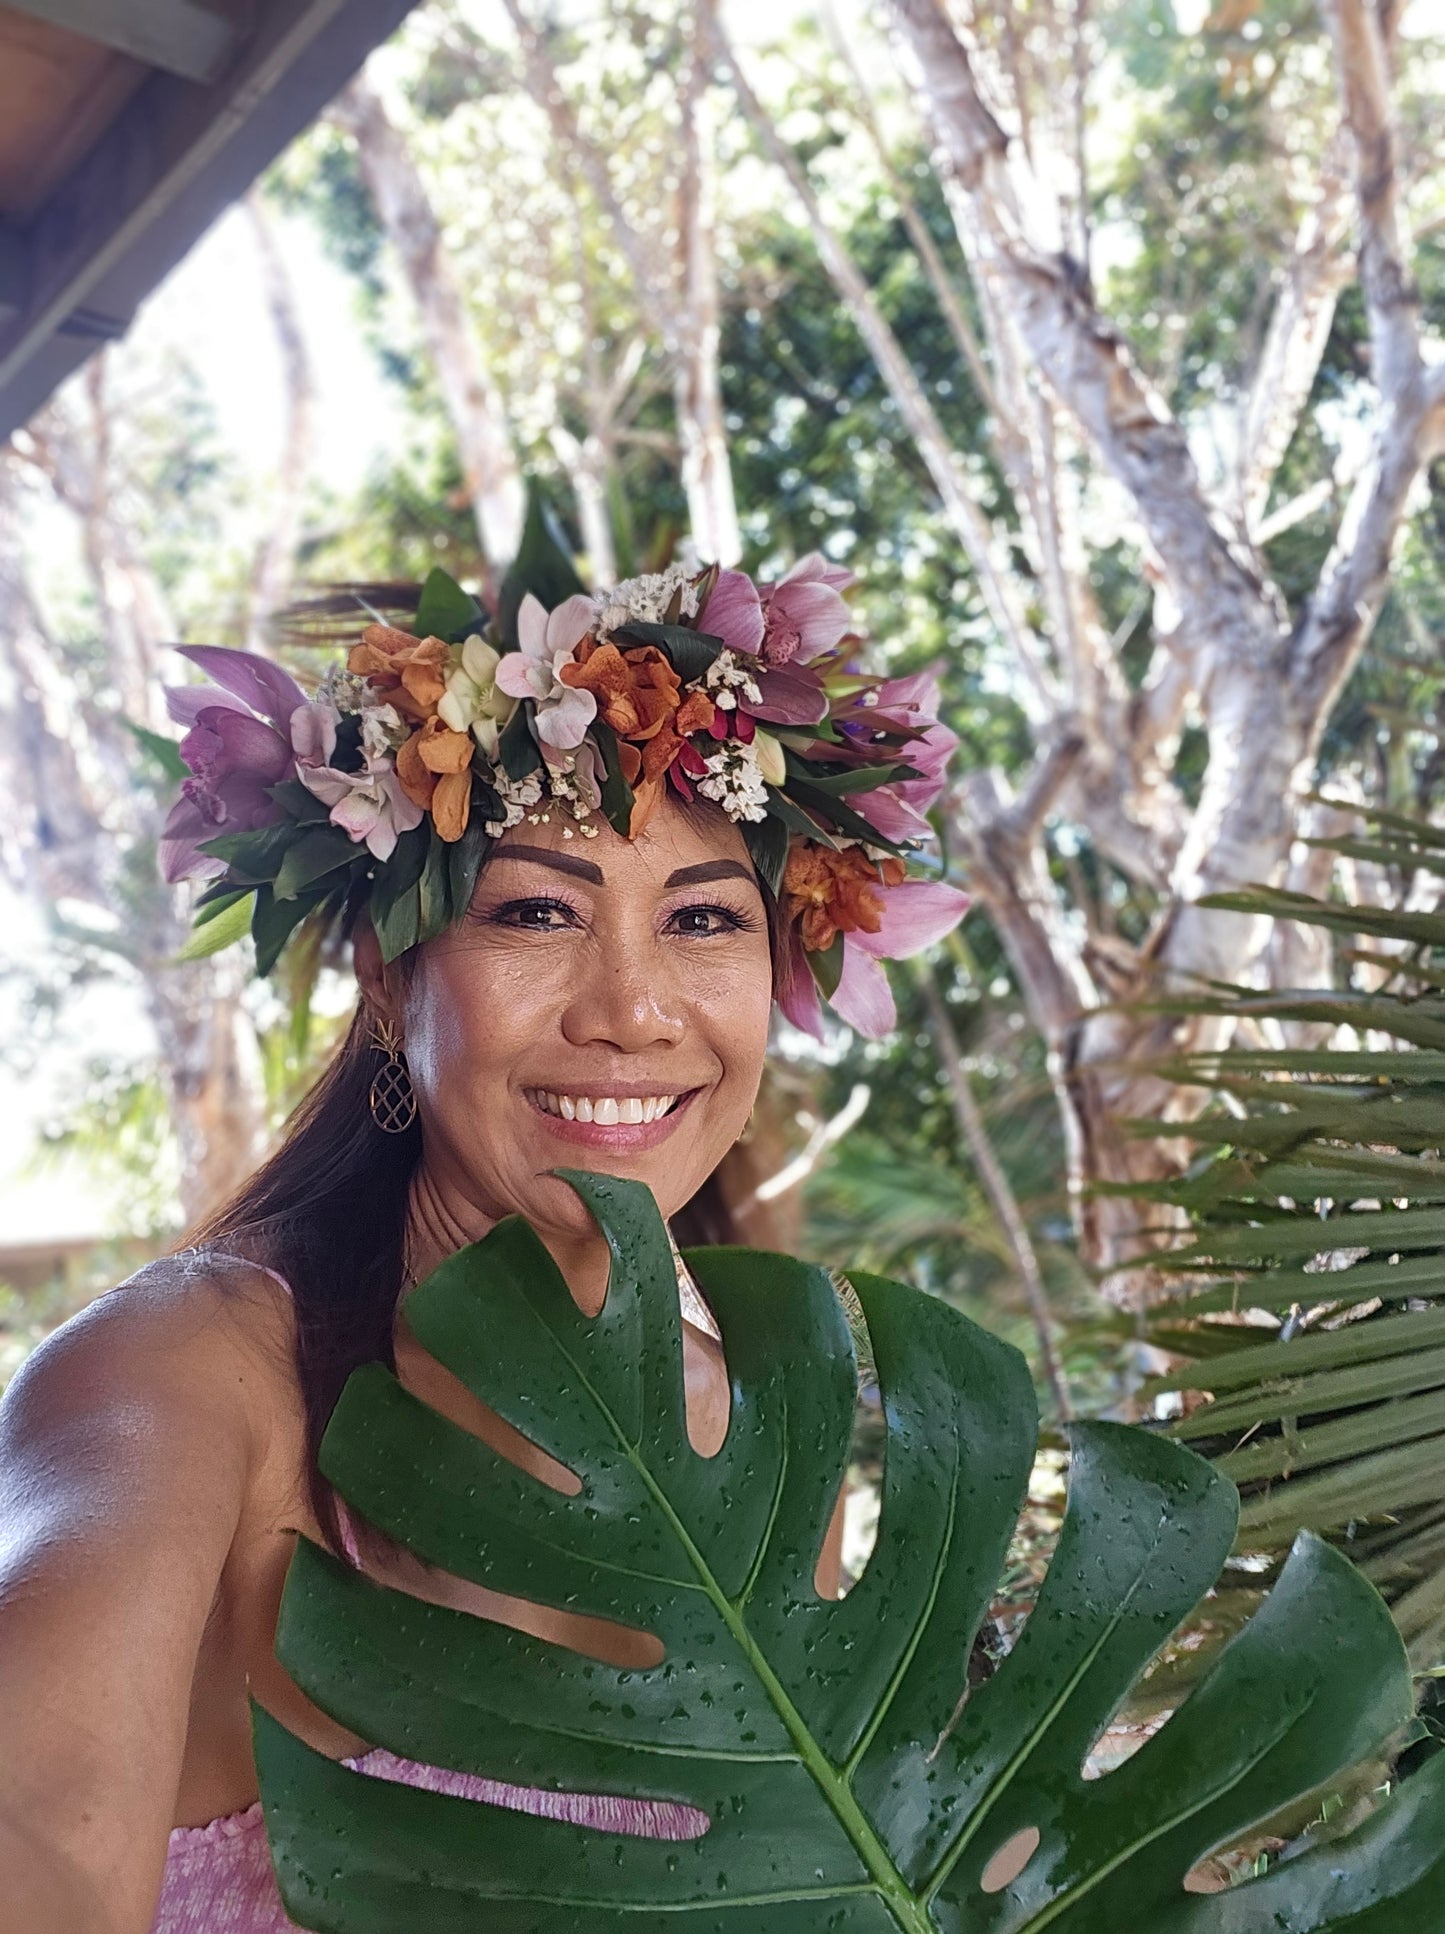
711, 870
582, 869
544, 856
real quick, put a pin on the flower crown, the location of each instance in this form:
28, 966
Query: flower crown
389, 784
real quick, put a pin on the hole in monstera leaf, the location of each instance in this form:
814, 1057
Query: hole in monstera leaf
401, 1570
445, 1393
1009, 1860
645, 1819
863, 1487
1118, 1742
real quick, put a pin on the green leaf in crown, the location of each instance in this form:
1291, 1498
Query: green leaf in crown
849, 1785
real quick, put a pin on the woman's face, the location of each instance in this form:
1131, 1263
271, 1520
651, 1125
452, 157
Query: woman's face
604, 1006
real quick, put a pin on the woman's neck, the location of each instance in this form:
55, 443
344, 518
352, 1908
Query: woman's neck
440, 1221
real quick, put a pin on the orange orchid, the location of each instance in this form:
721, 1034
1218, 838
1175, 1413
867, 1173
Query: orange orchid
831, 891
637, 690
639, 695
435, 770
411, 671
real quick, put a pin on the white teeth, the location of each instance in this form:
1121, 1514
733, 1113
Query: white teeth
607, 1110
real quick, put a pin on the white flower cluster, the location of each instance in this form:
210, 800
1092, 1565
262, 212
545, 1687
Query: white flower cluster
382, 730
646, 600
726, 677
735, 781
518, 796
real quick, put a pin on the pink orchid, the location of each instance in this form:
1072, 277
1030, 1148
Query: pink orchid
368, 805
258, 683
916, 913
313, 732
803, 614
235, 756
899, 811
547, 642
734, 612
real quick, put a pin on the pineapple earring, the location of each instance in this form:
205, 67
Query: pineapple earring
392, 1098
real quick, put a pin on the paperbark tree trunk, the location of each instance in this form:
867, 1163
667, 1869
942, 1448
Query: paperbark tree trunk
676, 283
276, 559
77, 817
1063, 385
473, 402
706, 471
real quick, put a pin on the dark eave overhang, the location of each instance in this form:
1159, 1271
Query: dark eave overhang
181, 150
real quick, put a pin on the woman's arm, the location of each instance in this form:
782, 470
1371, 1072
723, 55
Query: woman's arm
125, 1449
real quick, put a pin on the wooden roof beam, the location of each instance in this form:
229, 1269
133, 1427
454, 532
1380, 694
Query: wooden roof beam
77, 270
178, 36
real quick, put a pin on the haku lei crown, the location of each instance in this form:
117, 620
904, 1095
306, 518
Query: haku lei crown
388, 785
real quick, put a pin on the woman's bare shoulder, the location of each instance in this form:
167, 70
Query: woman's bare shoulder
214, 1333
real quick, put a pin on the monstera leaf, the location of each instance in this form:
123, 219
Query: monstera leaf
848, 1784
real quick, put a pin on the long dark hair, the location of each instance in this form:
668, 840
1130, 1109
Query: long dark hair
327, 1211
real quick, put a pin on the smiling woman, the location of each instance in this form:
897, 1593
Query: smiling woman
619, 1003
572, 908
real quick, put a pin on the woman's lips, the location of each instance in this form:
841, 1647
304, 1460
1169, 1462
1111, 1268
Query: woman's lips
621, 1135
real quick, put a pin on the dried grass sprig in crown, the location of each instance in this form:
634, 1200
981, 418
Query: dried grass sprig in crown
388, 785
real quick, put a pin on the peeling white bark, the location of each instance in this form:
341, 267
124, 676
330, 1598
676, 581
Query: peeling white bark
997, 584
474, 403
276, 559
1224, 642
707, 476
678, 291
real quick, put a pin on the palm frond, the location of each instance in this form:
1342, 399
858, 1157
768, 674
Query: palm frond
1316, 1203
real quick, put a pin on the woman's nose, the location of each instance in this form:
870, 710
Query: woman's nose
626, 998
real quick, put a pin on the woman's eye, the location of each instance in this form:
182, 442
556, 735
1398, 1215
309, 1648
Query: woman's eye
704, 922
536, 916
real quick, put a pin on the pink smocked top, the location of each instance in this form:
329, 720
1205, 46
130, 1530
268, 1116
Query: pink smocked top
218, 1878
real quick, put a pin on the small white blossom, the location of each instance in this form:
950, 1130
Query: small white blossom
518, 796
646, 600
575, 782
382, 730
726, 677
735, 781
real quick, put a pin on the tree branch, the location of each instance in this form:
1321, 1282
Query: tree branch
654, 286
1410, 420
997, 1187
1299, 328
276, 558
997, 833
474, 403
1083, 357
940, 281
996, 583
1392, 300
